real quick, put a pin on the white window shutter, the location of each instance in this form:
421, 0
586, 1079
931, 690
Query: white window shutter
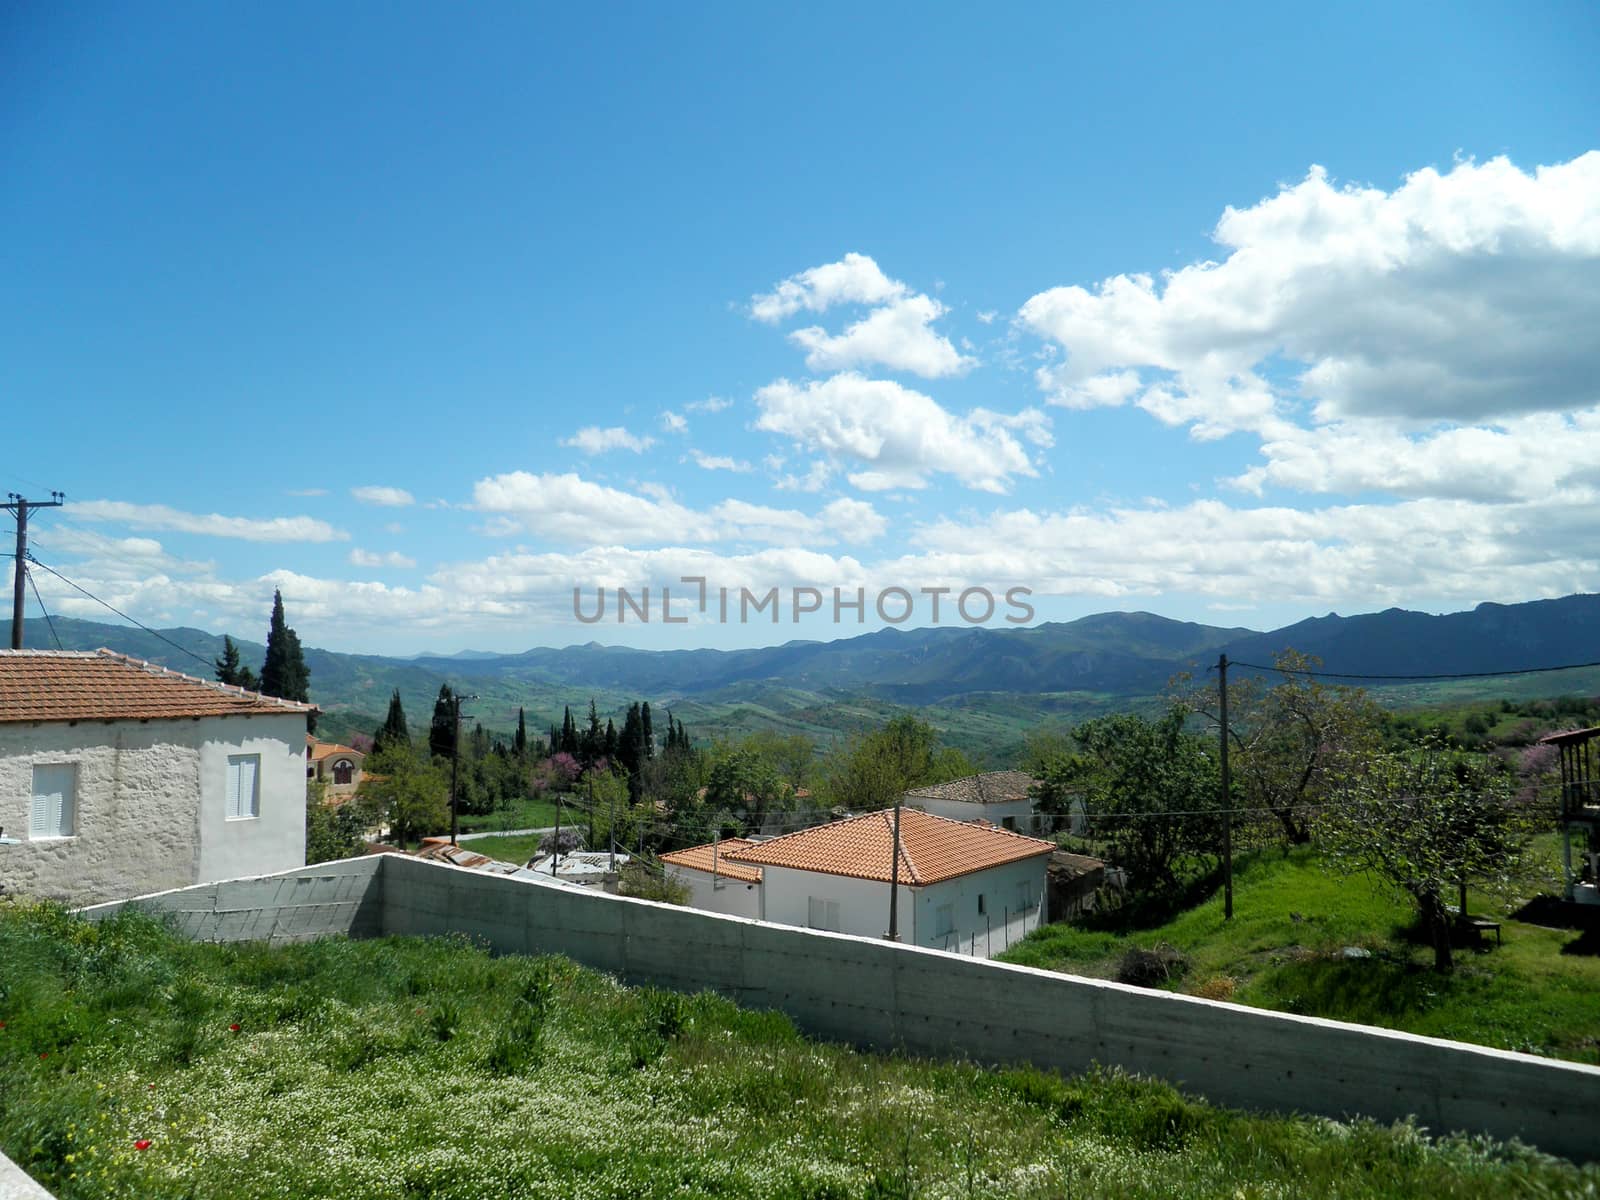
51, 812
241, 788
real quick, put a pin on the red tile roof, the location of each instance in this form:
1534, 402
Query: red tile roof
698, 858
932, 849
99, 685
317, 751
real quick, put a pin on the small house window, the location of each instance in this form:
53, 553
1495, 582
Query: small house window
822, 913
1008, 823
981, 909
244, 786
53, 813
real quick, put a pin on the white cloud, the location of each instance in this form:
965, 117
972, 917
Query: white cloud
896, 336
896, 436
1464, 297
306, 492
987, 316
674, 422
569, 508
385, 497
594, 440
818, 475
854, 521
161, 517
364, 558
854, 279
718, 462
711, 404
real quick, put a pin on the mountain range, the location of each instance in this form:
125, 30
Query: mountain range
1072, 668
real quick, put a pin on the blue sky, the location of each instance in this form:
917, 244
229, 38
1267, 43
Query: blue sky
429, 315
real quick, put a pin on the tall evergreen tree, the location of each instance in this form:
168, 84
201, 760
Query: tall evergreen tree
393, 731
592, 744
229, 669
609, 746
519, 744
442, 732
283, 672
648, 748
569, 732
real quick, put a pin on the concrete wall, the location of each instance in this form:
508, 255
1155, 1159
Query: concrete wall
731, 896
150, 804
869, 992
344, 897
874, 993
17, 1184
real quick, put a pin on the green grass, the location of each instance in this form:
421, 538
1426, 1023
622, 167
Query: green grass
514, 848
1283, 950
526, 813
406, 1068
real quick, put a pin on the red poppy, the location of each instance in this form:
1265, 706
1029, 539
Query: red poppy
44, 1054
142, 1144
233, 1028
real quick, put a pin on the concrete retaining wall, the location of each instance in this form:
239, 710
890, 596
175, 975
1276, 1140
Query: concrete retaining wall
343, 897
873, 993
17, 1184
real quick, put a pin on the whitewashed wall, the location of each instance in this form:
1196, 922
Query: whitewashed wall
1021, 811
984, 934
151, 804
731, 896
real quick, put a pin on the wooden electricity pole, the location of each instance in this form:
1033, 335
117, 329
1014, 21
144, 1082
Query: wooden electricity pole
20, 508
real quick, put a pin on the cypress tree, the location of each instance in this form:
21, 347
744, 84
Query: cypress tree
569, 732
648, 750
592, 744
393, 731
442, 731
609, 747
519, 744
283, 672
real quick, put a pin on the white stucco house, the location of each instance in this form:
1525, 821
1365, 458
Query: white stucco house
717, 883
965, 887
999, 797
120, 777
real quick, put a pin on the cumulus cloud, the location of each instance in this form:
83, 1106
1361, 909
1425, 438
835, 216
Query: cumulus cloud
898, 332
385, 497
717, 462
854, 279
393, 558
593, 440
674, 422
898, 335
1464, 296
572, 509
895, 436
250, 529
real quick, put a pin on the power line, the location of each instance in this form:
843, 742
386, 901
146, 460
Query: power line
153, 633
1456, 675
48, 620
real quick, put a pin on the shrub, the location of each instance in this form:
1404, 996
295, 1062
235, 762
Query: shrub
1151, 968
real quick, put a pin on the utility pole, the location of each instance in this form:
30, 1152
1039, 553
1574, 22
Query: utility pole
894, 877
20, 508
455, 758
1227, 796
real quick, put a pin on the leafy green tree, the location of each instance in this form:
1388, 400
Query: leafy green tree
1293, 739
333, 831
874, 771
442, 729
744, 785
409, 791
283, 672
394, 731
1150, 791
1425, 821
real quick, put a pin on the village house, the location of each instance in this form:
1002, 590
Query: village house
336, 767
119, 777
999, 797
963, 886
715, 882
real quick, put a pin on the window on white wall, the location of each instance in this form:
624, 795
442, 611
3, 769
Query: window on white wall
244, 786
822, 914
54, 810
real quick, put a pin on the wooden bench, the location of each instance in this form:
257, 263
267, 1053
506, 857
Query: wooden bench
1478, 925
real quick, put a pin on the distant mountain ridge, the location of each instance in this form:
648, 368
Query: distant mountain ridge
1108, 655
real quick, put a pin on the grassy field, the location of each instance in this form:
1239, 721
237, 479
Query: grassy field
512, 847
1285, 950
526, 813
136, 1065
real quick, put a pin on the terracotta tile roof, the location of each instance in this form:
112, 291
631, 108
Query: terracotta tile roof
932, 849
698, 858
99, 685
992, 787
320, 750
